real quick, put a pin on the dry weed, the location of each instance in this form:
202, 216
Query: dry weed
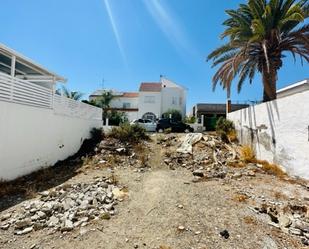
232, 136
250, 220
237, 164
272, 169
165, 247
247, 154
280, 196
240, 198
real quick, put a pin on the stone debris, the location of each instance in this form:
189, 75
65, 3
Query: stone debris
291, 218
208, 158
64, 208
111, 152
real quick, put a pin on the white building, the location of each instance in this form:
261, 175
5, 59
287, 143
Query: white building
123, 101
37, 126
152, 100
293, 89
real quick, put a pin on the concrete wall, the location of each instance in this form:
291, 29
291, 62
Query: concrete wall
278, 130
32, 137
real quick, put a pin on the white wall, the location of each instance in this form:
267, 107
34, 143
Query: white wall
117, 102
155, 107
32, 137
168, 93
131, 115
278, 130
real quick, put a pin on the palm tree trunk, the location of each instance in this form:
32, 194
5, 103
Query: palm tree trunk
269, 83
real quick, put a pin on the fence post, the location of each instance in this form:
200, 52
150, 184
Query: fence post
106, 122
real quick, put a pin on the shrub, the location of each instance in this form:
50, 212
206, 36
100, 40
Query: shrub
129, 133
176, 115
115, 118
224, 127
190, 120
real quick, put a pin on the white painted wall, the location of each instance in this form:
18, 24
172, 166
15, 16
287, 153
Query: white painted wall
278, 130
174, 93
149, 107
131, 115
32, 137
118, 102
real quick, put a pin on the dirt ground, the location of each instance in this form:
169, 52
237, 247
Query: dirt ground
165, 209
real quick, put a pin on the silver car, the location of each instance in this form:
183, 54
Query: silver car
147, 124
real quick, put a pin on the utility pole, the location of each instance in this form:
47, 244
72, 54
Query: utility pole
103, 81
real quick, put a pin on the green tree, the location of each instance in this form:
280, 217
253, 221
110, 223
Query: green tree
259, 34
69, 94
176, 115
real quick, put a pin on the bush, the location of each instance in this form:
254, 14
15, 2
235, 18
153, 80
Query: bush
190, 120
129, 133
115, 118
224, 127
176, 115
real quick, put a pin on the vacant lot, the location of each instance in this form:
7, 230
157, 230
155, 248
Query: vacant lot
163, 205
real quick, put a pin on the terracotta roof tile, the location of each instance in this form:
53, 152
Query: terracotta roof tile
150, 87
130, 95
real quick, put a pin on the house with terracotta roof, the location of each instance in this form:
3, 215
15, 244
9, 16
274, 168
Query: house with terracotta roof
152, 100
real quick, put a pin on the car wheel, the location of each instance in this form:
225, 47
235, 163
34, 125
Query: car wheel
187, 130
160, 130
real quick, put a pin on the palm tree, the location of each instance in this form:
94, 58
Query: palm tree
259, 34
105, 99
104, 102
71, 95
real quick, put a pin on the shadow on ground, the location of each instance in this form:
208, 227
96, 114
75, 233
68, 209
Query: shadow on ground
26, 187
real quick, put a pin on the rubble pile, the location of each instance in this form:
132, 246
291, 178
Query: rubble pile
291, 218
210, 158
112, 152
64, 208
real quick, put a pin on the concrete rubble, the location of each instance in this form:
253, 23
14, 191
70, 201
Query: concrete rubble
207, 157
291, 217
111, 151
65, 207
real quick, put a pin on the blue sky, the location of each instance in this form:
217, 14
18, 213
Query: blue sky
127, 42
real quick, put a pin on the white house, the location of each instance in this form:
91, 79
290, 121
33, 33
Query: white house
152, 100
123, 101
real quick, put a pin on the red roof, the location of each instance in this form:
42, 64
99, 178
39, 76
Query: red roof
150, 87
130, 95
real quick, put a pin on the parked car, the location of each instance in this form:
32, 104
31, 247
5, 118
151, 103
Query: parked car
147, 124
176, 126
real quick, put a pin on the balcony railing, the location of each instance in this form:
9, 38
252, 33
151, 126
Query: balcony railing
24, 92
27, 93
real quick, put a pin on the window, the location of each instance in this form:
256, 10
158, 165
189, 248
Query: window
126, 105
174, 101
180, 100
149, 99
